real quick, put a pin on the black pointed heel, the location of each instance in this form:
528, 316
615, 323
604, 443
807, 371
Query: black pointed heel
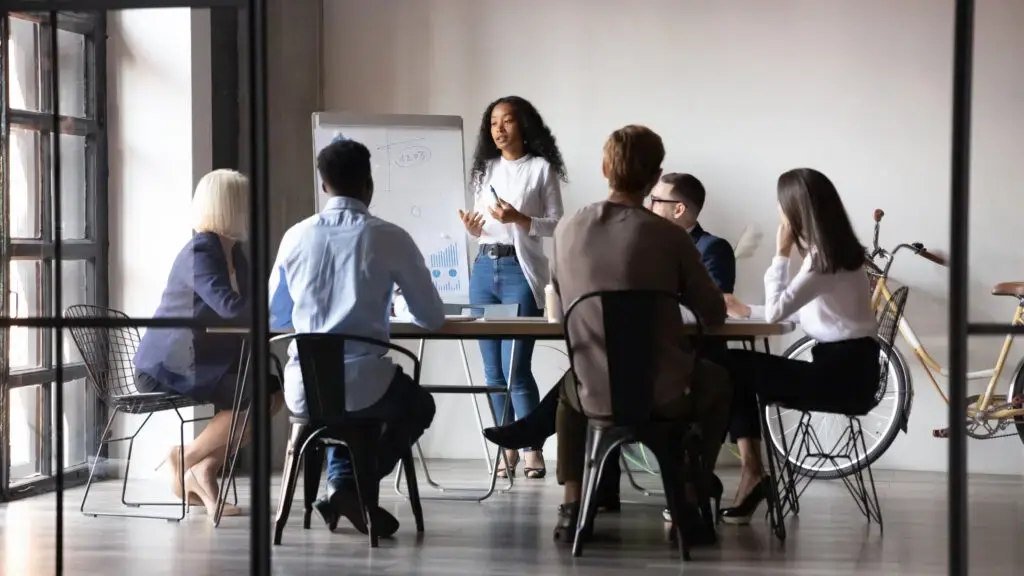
742, 514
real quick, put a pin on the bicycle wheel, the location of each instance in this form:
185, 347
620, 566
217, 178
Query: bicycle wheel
881, 425
1017, 392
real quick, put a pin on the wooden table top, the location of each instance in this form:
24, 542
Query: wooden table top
539, 330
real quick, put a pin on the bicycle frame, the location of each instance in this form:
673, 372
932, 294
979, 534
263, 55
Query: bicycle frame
882, 295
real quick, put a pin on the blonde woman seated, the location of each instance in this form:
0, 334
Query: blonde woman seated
209, 281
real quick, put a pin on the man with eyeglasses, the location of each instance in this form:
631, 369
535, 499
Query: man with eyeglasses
679, 198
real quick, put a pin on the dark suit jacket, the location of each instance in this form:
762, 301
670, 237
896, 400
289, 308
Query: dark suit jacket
191, 361
718, 258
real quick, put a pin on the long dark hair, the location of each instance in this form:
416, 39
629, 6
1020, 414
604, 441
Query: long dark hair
818, 220
537, 138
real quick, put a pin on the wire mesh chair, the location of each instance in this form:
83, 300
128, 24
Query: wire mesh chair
108, 354
850, 445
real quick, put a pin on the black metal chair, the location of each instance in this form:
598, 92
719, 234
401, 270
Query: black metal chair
631, 340
850, 446
322, 362
108, 354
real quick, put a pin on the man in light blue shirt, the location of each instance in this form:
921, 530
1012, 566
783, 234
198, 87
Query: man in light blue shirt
335, 272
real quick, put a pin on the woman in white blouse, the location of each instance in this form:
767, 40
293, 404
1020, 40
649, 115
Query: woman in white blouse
830, 298
517, 201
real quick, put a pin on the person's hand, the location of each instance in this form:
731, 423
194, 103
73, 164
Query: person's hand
507, 214
784, 240
473, 221
736, 309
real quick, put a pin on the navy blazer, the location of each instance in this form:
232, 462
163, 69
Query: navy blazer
191, 361
718, 258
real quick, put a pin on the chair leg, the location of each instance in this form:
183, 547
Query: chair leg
362, 448
849, 447
291, 473
776, 481
312, 466
128, 464
599, 445
698, 474
670, 476
872, 508
414, 490
96, 461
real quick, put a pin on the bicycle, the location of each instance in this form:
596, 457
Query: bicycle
988, 414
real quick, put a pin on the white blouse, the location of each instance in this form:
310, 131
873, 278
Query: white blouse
829, 307
531, 186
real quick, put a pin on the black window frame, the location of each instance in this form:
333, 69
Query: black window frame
93, 250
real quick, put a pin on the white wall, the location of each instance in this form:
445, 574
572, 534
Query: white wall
160, 145
740, 91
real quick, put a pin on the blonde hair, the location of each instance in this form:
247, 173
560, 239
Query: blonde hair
221, 204
632, 158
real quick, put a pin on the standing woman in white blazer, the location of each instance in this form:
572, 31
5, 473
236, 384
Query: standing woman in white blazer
517, 201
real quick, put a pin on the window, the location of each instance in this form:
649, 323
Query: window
27, 259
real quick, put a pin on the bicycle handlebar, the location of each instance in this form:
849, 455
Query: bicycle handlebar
916, 247
923, 253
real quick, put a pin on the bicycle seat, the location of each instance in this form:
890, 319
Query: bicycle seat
1015, 289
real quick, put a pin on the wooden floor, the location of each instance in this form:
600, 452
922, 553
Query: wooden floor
510, 534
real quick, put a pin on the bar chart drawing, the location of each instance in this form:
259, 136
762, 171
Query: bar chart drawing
444, 266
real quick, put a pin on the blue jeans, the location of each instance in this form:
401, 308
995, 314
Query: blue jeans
501, 281
407, 411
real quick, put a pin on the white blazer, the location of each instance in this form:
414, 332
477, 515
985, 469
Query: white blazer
532, 187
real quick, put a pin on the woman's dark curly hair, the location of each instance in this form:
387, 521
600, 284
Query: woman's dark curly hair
537, 138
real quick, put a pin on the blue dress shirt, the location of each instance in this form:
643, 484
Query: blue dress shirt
335, 272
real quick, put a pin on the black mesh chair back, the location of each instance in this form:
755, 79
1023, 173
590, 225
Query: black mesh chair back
888, 326
109, 357
632, 330
108, 353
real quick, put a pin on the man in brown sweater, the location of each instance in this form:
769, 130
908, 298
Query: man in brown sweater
618, 244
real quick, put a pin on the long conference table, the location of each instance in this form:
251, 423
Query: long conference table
461, 329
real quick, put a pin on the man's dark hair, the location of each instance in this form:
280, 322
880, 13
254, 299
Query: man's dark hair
344, 166
687, 189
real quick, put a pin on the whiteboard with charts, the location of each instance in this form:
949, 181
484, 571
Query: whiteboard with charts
419, 175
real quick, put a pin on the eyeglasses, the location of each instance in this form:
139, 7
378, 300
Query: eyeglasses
653, 200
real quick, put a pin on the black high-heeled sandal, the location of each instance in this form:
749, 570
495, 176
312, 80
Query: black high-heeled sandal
742, 514
512, 457
535, 473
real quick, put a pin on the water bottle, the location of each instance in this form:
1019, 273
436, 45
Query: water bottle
552, 304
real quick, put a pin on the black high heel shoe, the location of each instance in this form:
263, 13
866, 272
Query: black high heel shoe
742, 514
531, 431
